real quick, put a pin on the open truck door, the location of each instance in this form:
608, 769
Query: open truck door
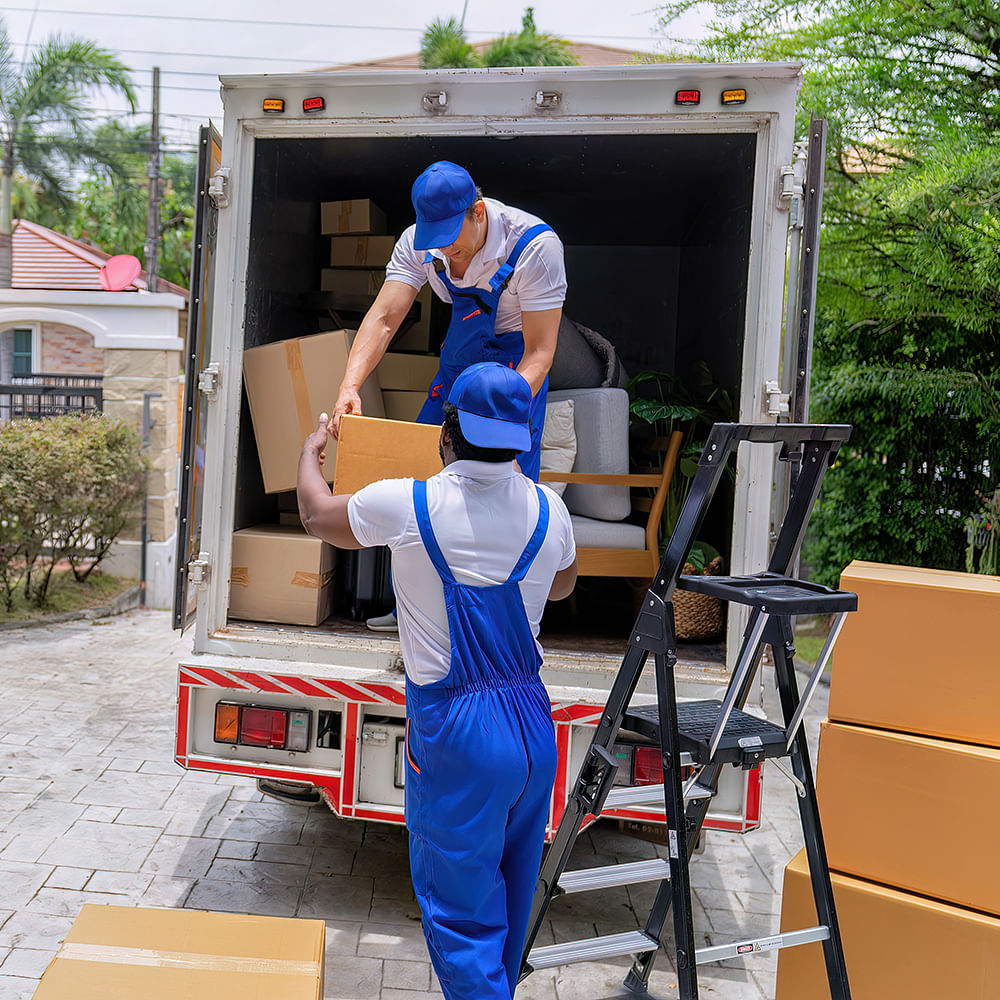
197, 379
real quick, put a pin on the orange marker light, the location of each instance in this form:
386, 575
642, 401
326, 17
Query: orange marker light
274, 105
227, 723
687, 97
734, 96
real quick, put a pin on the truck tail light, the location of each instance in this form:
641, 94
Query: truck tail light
263, 727
647, 768
737, 96
259, 726
687, 97
227, 723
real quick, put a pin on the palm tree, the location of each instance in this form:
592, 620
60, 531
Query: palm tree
444, 45
43, 119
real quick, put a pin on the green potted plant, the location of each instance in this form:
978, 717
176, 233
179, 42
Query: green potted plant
662, 403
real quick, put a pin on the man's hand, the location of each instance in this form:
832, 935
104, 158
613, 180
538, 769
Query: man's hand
316, 442
347, 402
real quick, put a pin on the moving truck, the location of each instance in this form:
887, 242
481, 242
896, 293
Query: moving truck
677, 192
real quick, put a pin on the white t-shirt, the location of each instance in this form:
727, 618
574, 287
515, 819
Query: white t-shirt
538, 281
483, 514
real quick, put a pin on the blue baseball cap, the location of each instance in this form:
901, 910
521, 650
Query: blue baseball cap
494, 406
440, 195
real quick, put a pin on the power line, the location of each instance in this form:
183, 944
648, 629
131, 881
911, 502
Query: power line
286, 24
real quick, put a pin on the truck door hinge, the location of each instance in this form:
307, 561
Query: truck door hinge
208, 380
435, 101
199, 570
547, 100
218, 187
777, 401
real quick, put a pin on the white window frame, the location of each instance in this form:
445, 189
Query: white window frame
36, 345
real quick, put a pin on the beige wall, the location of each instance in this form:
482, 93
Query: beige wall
127, 375
68, 351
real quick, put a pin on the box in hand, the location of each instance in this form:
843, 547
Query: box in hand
372, 449
289, 383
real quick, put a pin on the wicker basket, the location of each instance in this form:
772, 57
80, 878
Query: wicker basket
698, 616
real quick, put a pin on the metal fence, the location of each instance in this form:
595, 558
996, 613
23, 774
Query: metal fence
43, 395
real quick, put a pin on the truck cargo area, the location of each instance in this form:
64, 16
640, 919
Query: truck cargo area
656, 228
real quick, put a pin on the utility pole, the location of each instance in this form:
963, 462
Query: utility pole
153, 175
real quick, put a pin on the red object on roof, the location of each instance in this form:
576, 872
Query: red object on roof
43, 258
119, 272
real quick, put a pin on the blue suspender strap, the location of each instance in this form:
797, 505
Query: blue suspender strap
499, 280
427, 532
534, 543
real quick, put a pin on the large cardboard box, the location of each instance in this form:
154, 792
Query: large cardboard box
361, 251
372, 449
897, 946
415, 333
402, 405
289, 383
917, 814
340, 218
280, 574
921, 654
352, 281
117, 952
412, 372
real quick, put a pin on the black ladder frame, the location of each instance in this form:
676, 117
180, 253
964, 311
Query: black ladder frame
811, 448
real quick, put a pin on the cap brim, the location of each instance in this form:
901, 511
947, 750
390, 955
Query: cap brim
488, 432
437, 234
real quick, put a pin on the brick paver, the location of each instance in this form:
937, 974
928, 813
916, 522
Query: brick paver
93, 809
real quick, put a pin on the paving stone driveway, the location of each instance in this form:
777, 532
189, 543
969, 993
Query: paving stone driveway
93, 809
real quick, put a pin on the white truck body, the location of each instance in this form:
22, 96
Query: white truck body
356, 680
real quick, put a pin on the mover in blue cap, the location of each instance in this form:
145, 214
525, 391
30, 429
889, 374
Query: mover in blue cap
477, 550
501, 269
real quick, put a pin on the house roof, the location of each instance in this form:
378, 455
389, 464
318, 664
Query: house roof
43, 258
585, 53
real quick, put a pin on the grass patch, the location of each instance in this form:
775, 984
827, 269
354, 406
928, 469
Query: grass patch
808, 647
65, 594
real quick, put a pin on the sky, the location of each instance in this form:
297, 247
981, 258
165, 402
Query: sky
194, 42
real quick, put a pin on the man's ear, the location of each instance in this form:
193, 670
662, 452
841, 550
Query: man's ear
480, 210
445, 438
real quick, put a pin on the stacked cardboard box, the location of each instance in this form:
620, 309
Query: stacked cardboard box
908, 772
405, 380
359, 252
130, 951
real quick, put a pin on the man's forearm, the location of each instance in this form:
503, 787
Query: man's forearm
534, 367
323, 515
370, 344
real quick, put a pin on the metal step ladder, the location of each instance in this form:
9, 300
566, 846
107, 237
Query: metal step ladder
706, 736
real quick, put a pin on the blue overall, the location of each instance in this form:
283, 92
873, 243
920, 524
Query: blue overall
472, 337
481, 762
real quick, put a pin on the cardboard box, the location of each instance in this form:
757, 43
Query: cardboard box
921, 653
412, 372
415, 334
130, 951
352, 281
289, 383
402, 405
280, 574
372, 449
338, 218
361, 251
917, 814
896, 945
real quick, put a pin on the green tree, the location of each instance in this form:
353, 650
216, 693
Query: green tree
908, 304
111, 204
43, 119
444, 45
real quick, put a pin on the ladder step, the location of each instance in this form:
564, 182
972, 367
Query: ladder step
737, 949
585, 879
592, 949
633, 795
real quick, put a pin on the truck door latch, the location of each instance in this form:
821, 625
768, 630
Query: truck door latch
218, 187
547, 100
198, 570
777, 401
435, 101
208, 380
